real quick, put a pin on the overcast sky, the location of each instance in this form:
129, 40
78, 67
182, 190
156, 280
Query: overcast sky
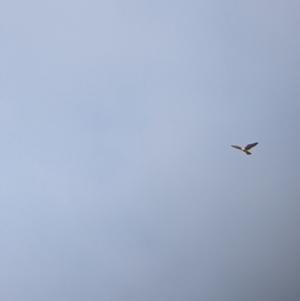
117, 178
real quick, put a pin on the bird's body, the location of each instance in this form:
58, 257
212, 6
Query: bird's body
246, 148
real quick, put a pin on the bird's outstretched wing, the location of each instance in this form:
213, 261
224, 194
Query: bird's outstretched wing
236, 146
249, 146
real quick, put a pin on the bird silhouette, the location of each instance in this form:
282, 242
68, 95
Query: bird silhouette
246, 148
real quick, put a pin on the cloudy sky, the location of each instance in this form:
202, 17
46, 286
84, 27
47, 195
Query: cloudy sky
117, 179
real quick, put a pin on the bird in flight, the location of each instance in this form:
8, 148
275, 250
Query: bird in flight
246, 148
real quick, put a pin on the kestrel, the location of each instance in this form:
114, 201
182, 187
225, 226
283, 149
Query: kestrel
246, 148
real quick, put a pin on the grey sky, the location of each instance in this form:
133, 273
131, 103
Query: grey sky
117, 179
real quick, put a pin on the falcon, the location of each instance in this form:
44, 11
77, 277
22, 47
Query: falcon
246, 148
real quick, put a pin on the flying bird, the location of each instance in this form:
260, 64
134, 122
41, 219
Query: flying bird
246, 148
